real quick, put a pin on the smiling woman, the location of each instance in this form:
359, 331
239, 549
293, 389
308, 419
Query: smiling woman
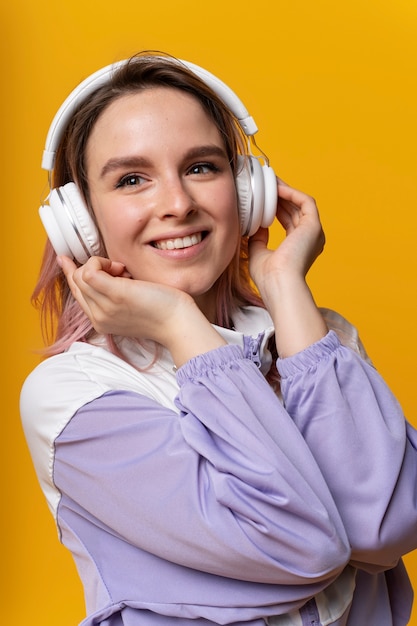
158, 173
189, 424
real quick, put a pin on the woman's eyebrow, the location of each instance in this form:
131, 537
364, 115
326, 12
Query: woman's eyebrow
205, 151
129, 162
137, 162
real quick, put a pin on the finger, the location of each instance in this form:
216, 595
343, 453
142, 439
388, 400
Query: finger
281, 182
288, 212
261, 235
117, 268
79, 278
114, 268
69, 269
295, 196
66, 264
93, 285
258, 245
285, 217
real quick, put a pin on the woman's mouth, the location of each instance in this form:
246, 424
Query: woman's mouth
178, 243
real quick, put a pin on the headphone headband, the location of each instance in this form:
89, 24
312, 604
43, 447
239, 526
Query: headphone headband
68, 221
101, 77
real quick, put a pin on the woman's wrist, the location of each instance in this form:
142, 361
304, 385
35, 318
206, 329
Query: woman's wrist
189, 333
297, 320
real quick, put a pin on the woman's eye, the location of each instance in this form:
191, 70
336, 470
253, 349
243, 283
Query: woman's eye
203, 168
130, 180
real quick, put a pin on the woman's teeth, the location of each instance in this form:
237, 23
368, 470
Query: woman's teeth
178, 242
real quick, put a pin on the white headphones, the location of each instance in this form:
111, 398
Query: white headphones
66, 219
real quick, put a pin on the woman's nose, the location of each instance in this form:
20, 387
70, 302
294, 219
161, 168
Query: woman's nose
177, 199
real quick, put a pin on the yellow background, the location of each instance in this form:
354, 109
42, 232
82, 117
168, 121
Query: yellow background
332, 86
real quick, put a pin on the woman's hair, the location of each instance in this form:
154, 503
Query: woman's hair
62, 319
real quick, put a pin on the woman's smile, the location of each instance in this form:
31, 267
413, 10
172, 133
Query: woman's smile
179, 243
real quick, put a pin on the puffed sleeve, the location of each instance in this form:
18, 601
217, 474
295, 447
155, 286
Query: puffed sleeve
364, 447
209, 487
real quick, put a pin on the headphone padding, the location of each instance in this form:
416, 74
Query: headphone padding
258, 195
75, 222
250, 189
53, 231
244, 194
270, 196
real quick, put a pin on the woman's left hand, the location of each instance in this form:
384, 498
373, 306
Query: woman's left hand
297, 212
280, 274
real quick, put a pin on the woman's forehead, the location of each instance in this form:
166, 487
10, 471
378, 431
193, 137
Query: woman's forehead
152, 120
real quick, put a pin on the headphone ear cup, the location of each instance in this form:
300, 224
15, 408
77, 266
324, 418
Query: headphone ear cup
270, 196
53, 231
249, 186
257, 195
69, 225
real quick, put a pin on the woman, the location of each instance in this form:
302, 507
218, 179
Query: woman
192, 474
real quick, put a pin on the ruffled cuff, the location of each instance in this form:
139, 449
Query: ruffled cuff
310, 357
199, 366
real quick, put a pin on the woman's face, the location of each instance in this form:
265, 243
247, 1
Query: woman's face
163, 192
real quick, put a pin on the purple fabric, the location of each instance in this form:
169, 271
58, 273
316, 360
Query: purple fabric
236, 508
365, 450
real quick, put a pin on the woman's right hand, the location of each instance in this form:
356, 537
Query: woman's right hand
116, 304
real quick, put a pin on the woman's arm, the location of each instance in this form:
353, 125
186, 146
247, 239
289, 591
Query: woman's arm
208, 488
280, 274
347, 415
366, 451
